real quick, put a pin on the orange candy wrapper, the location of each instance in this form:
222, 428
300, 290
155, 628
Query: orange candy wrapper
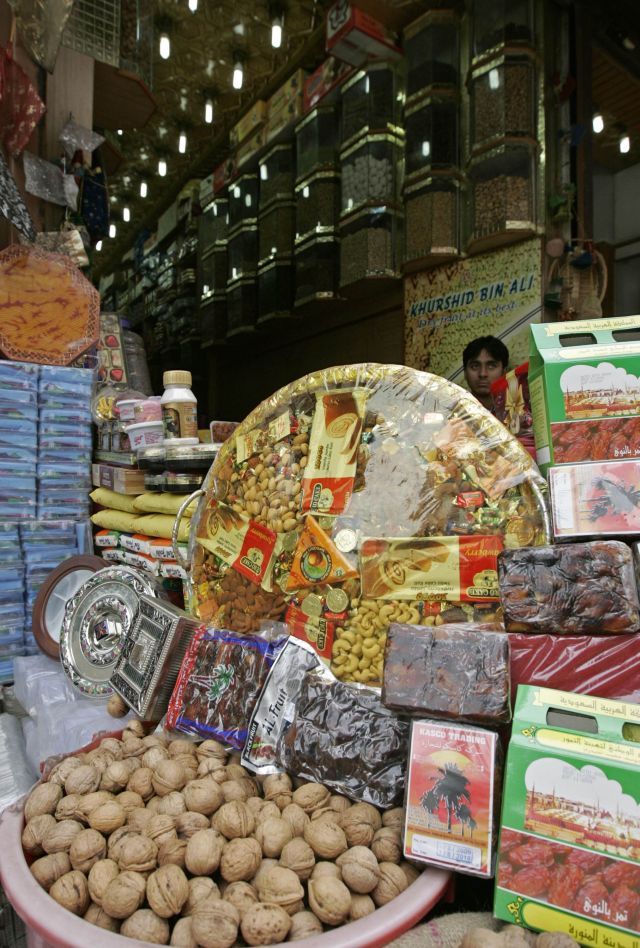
317, 559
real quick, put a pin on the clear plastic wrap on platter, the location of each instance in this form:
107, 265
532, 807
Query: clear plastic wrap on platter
356, 497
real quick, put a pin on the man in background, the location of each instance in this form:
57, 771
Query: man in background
484, 359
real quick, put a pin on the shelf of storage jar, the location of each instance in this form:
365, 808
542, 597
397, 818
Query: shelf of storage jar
502, 24
317, 205
212, 271
213, 319
432, 209
502, 94
371, 171
317, 142
243, 252
432, 53
242, 306
370, 248
213, 224
317, 266
433, 140
277, 171
371, 101
275, 290
276, 231
243, 200
503, 197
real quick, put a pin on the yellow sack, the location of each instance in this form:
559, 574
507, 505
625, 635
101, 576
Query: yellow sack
161, 525
113, 500
162, 504
115, 520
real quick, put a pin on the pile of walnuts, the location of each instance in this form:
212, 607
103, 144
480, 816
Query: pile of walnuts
171, 843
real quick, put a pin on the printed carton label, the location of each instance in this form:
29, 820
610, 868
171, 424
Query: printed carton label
237, 541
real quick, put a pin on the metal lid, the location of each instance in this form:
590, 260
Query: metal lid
187, 453
176, 377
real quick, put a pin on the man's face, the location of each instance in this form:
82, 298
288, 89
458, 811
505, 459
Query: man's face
480, 372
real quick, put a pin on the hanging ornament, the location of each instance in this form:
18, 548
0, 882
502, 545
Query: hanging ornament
21, 108
11, 204
40, 26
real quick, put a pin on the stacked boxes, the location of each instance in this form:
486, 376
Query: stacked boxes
45, 544
18, 440
12, 617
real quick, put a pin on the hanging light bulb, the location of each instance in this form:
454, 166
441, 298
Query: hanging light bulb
182, 143
624, 144
112, 230
144, 189
494, 79
119, 131
276, 32
162, 167
238, 74
193, 5
208, 111
126, 215
99, 246
165, 46
597, 123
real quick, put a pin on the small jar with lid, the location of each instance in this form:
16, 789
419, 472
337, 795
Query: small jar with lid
179, 409
194, 459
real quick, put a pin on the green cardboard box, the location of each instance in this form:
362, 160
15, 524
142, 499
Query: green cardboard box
569, 851
584, 383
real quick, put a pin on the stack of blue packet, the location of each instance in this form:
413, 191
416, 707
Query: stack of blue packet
18, 439
65, 442
45, 544
12, 614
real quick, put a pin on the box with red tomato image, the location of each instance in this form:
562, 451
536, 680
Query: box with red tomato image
569, 851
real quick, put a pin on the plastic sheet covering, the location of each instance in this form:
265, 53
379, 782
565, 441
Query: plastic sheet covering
605, 666
16, 774
336, 463
40, 27
43, 179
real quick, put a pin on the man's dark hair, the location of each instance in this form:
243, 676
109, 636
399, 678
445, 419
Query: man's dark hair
495, 347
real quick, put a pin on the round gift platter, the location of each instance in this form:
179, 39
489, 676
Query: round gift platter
60, 586
97, 619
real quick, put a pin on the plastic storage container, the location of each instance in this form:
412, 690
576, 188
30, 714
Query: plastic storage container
243, 252
242, 306
317, 205
213, 318
317, 270
369, 245
371, 171
276, 231
179, 410
243, 200
370, 102
432, 51
277, 170
503, 195
275, 289
213, 271
317, 142
51, 926
503, 101
502, 23
213, 224
432, 135
432, 219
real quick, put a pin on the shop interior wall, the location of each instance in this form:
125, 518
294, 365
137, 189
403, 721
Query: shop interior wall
616, 219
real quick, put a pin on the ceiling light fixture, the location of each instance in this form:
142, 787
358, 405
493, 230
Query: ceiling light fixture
597, 123
112, 230
164, 46
119, 131
277, 23
144, 189
99, 246
238, 72
162, 167
182, 143
624, 144
208, 111
193, 5
126, 215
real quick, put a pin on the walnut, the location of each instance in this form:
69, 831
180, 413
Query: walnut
339, 803
359, 869
134, 728
132, 746
153, 756
238, 790
410, 872
200, 888
97, 916
214, 923
181, 746
329, 900
394, 817
145, 925
326, 869
49, 869
90, 802
35, 831
43, 799
101, 874
361, 905
264, 866
326, 839
167, 891
234, 819
279, 789
203, 796
173, 804
83, 779
69, 807
87, 848
155, 740
182, 936
304, 925
113, 745
136, 853
297, 819
141, 782
387, 844
108, 817
169, 775
116, 706
71, 892
327, 814
240, 860
116, 777
133, 763
268, 811
59, 838
211, 749
172, 852
273, 834
189, 765
357, 826
280, 886
391, 883
189, 823
298, 856
160, 828
236, 772
100, 760
116, 839
311, 796
129, 800
211, 766
62, 770
124, 894
153, 805
240, 894
255, 804
265, 924
203, 853
138, 820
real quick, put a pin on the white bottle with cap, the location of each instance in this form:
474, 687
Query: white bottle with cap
179, 409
